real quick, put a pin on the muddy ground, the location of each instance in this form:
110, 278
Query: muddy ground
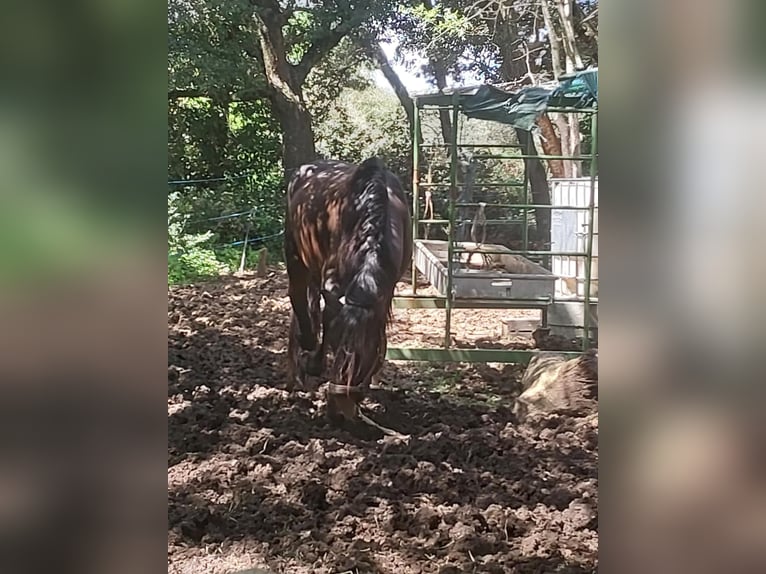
258, 478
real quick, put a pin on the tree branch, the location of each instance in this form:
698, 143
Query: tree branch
324, 45
554, 39
270, 11
569, 40
278, 71
316, 52
375, 52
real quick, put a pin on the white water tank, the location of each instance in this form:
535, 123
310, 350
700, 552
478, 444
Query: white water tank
569, 233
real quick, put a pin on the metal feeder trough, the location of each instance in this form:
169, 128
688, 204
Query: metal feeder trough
484, 276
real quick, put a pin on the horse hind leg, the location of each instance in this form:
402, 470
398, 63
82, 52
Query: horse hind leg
295, 376
315, 358
374, 381
302, 342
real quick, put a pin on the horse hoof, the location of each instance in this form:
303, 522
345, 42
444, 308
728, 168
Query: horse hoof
312, 384
314, 370
295, 384
314, 365
335, 419
341, 408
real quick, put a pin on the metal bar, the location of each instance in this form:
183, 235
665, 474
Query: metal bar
437, 107
522, 252
244, 248
572, 110
421, 302
451, 215
460, 146
525, 229
561, 110
508, 221
415, 187
466, 355
525, 205
589, 247
491, 184
530, 156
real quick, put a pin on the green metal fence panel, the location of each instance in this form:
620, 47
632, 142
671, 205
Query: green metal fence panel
453, 103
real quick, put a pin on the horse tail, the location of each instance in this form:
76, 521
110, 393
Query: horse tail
369, 192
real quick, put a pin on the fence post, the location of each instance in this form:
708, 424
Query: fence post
263, 260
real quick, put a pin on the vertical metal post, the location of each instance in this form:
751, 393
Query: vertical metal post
415, 187
244, 248
591, 218
451, 226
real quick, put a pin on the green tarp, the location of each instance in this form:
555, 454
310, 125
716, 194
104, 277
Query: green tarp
522, 108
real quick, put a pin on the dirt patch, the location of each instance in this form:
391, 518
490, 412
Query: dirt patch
258, 478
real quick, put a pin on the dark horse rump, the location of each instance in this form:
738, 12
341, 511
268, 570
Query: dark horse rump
347, 241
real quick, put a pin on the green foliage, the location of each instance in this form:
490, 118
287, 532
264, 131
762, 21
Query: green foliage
194, 263
200, 255
226, 131
190, 255
297, 33
363, 123
448, 28
344, 69
208, 44
204, 141
230, 256
198, 259
226, 127
448, 35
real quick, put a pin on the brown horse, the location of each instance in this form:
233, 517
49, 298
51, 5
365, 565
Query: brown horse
348, 241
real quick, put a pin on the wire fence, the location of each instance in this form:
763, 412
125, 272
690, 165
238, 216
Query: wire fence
256, 239
210, 179
226, 216
242, 212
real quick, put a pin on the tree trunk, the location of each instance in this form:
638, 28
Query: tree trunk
538, 186
440, 74
574, 144
297, 133
218, 137
562, 123
512, 68
573, 60
444, 115
551, 144
555, 41
379, 57
285, 92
